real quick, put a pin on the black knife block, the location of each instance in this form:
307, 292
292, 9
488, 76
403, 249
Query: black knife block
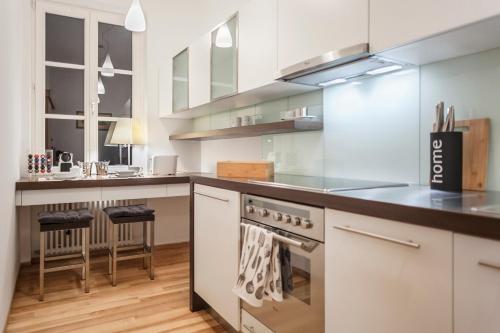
446, 161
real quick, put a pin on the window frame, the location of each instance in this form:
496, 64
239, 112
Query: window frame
91, 69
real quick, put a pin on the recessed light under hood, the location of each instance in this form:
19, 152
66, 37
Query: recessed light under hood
351, 62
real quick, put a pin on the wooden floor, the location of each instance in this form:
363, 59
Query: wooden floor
136, 304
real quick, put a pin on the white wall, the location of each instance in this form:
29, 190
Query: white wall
14, 94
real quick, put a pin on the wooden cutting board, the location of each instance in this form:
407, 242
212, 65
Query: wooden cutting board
476, 139
245, 169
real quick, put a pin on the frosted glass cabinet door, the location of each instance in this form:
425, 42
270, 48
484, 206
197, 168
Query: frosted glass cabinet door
180, 83
224, 59
199, 71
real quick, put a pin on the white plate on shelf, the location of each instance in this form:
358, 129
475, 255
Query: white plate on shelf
64, 175
125, 173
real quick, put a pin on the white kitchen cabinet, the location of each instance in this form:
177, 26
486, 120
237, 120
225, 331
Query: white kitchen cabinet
396, 22
476, 285
199, 71
257, 50
379, 281
216, 249
307, 29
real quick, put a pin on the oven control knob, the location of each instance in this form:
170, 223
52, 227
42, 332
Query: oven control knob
277, 216
263, 212
250, 209
296, 221
287, 218
306, 224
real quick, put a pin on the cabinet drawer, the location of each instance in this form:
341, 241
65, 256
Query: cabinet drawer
251, 325
216, 248
134, 192
214, 192
397, 277
178, 190
68, 195
477, 284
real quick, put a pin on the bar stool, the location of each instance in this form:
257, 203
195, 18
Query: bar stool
130, 214
65, 220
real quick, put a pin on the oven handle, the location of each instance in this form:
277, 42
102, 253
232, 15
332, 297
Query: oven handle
308, 246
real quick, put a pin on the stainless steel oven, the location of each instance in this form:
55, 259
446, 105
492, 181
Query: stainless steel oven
300, 228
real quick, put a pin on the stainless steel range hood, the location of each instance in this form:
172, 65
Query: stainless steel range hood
354, 61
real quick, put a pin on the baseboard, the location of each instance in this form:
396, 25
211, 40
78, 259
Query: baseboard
18, 268
222, 322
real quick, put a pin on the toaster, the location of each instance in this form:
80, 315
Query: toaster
164, 165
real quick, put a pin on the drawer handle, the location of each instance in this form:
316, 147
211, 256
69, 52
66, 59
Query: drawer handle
211, 197
488, 264
249, 328
372, 235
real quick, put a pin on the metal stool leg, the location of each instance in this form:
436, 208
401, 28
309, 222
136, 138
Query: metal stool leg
110, 247
42, 264
152, 246
87, 259
115, 244
144, 243
83, 250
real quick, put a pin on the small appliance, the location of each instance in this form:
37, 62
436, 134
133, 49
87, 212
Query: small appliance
65, 162
163, 165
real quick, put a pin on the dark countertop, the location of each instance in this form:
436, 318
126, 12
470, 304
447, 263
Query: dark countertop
415, 204
41, 183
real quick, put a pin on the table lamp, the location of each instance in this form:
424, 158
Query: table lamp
125, 132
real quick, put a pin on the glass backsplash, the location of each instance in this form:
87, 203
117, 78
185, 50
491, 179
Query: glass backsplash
378, 128
371, 128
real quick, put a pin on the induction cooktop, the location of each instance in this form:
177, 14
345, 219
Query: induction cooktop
325, 184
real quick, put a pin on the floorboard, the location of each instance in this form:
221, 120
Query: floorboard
136, 304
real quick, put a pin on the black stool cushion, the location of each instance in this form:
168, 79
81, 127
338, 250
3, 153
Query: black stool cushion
130, 214
63, 220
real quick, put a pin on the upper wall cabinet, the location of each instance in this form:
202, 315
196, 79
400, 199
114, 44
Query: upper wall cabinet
224, 59
199, 71
257, 51
396, 22
180, 79
308, 29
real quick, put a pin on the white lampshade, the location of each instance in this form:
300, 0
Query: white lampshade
126, 131
100, 87
107, 68
135, 20
223, 38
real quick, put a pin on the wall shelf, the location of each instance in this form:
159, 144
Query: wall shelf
287, 126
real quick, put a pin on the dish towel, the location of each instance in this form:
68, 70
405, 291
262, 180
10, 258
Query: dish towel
286, 269
260, 270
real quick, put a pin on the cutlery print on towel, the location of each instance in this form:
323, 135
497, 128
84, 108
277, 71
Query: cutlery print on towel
256, 272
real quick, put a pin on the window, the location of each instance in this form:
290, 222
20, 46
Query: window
85, 82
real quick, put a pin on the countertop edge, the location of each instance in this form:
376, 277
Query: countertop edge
474, 225
459, 222
89, 183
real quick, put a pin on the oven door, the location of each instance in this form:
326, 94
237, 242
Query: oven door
303, 309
